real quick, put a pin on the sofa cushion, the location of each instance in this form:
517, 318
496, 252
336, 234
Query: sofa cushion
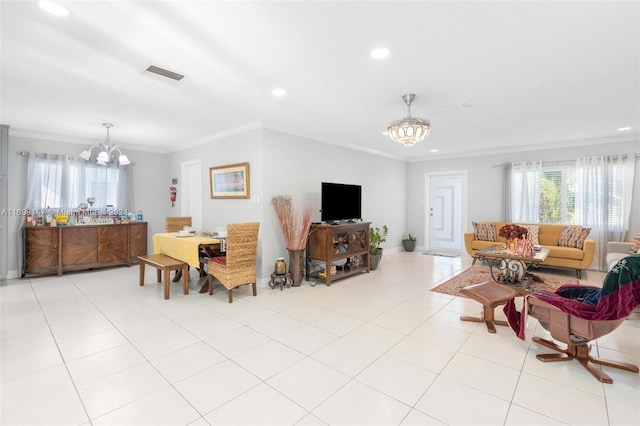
565, 252
484, 231
573, 236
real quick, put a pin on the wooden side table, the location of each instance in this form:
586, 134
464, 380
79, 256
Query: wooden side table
280, 280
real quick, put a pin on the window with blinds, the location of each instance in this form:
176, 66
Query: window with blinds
557, 195
65, 184
573, 194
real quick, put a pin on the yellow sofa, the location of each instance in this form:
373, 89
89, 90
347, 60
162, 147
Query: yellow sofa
559, 257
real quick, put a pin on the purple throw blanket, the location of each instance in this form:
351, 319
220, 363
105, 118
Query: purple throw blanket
618, 297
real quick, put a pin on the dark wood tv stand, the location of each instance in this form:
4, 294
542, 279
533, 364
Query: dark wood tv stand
331, 243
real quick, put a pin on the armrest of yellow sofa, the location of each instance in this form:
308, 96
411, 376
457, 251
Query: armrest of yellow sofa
468, 239
589, 248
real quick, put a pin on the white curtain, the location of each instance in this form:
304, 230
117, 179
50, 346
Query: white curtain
63, 182
523, 205
603, 196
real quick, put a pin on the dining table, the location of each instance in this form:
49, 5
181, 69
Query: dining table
187, 248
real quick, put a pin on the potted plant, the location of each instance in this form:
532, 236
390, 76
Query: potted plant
377, 236
409, 242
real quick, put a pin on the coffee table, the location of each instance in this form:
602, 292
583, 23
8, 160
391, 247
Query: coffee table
508, 268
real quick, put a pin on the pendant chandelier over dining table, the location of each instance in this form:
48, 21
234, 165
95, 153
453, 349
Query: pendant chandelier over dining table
409, 130
107, 153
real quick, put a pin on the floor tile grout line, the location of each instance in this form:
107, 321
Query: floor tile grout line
73, 382
148, 361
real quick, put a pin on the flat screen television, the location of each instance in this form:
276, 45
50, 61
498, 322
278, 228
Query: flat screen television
340, 202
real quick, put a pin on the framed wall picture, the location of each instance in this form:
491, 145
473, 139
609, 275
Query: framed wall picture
230, 181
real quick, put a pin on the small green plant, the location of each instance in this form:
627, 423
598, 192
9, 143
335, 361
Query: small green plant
377, 236
409, 238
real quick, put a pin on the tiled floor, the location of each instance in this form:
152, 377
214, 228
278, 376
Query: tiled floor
378, 348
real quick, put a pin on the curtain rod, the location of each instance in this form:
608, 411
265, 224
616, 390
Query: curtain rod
564, 162
24, 153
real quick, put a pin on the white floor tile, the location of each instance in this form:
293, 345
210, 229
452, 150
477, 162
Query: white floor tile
119, 389
165, 407
262, 405
30, 362
519, 416
346, 356
187, 361
481, 374
444, 398
622, 414
268, 359
308, 382
93, 367
358, 404
398, 379
64, 408
374, 336
426, 355
417, 418
378, 348
552, 399
74, 349
211, 388
237, 341
164, 343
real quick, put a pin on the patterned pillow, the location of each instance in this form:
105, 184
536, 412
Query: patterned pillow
484, 231
534, 230
573, 236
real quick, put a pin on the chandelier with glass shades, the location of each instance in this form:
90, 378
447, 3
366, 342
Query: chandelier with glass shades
409, 130
108, 153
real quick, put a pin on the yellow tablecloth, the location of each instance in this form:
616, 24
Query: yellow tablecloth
181, 248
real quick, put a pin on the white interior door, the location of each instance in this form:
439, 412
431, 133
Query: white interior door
190, 191
446, 210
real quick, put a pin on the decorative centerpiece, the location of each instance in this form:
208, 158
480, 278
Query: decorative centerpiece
513, 233
295, 230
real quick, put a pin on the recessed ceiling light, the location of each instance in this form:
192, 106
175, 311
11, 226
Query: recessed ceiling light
433, 150
54, 8
385, 133
278, 92
380, 53
623, 129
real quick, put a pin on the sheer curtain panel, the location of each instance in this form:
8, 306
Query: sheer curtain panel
603, 196
524, 192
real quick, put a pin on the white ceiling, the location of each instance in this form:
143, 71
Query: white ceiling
533, 73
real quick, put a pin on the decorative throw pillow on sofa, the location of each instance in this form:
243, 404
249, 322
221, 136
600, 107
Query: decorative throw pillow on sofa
573, 236
484, 231
534, 230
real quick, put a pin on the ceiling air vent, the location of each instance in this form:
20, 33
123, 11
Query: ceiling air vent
165, 73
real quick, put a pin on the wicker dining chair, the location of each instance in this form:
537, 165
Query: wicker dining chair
238, 267
176, 223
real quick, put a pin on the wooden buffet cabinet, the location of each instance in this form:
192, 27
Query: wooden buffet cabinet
348, 242
49, 250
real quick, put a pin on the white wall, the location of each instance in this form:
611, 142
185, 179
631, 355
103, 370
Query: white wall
486, 181
296, 166
282, 163
242, 148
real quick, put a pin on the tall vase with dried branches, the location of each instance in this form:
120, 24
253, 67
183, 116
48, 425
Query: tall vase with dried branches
295, 229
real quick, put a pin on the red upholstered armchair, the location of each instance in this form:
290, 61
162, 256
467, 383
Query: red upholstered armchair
578, 314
